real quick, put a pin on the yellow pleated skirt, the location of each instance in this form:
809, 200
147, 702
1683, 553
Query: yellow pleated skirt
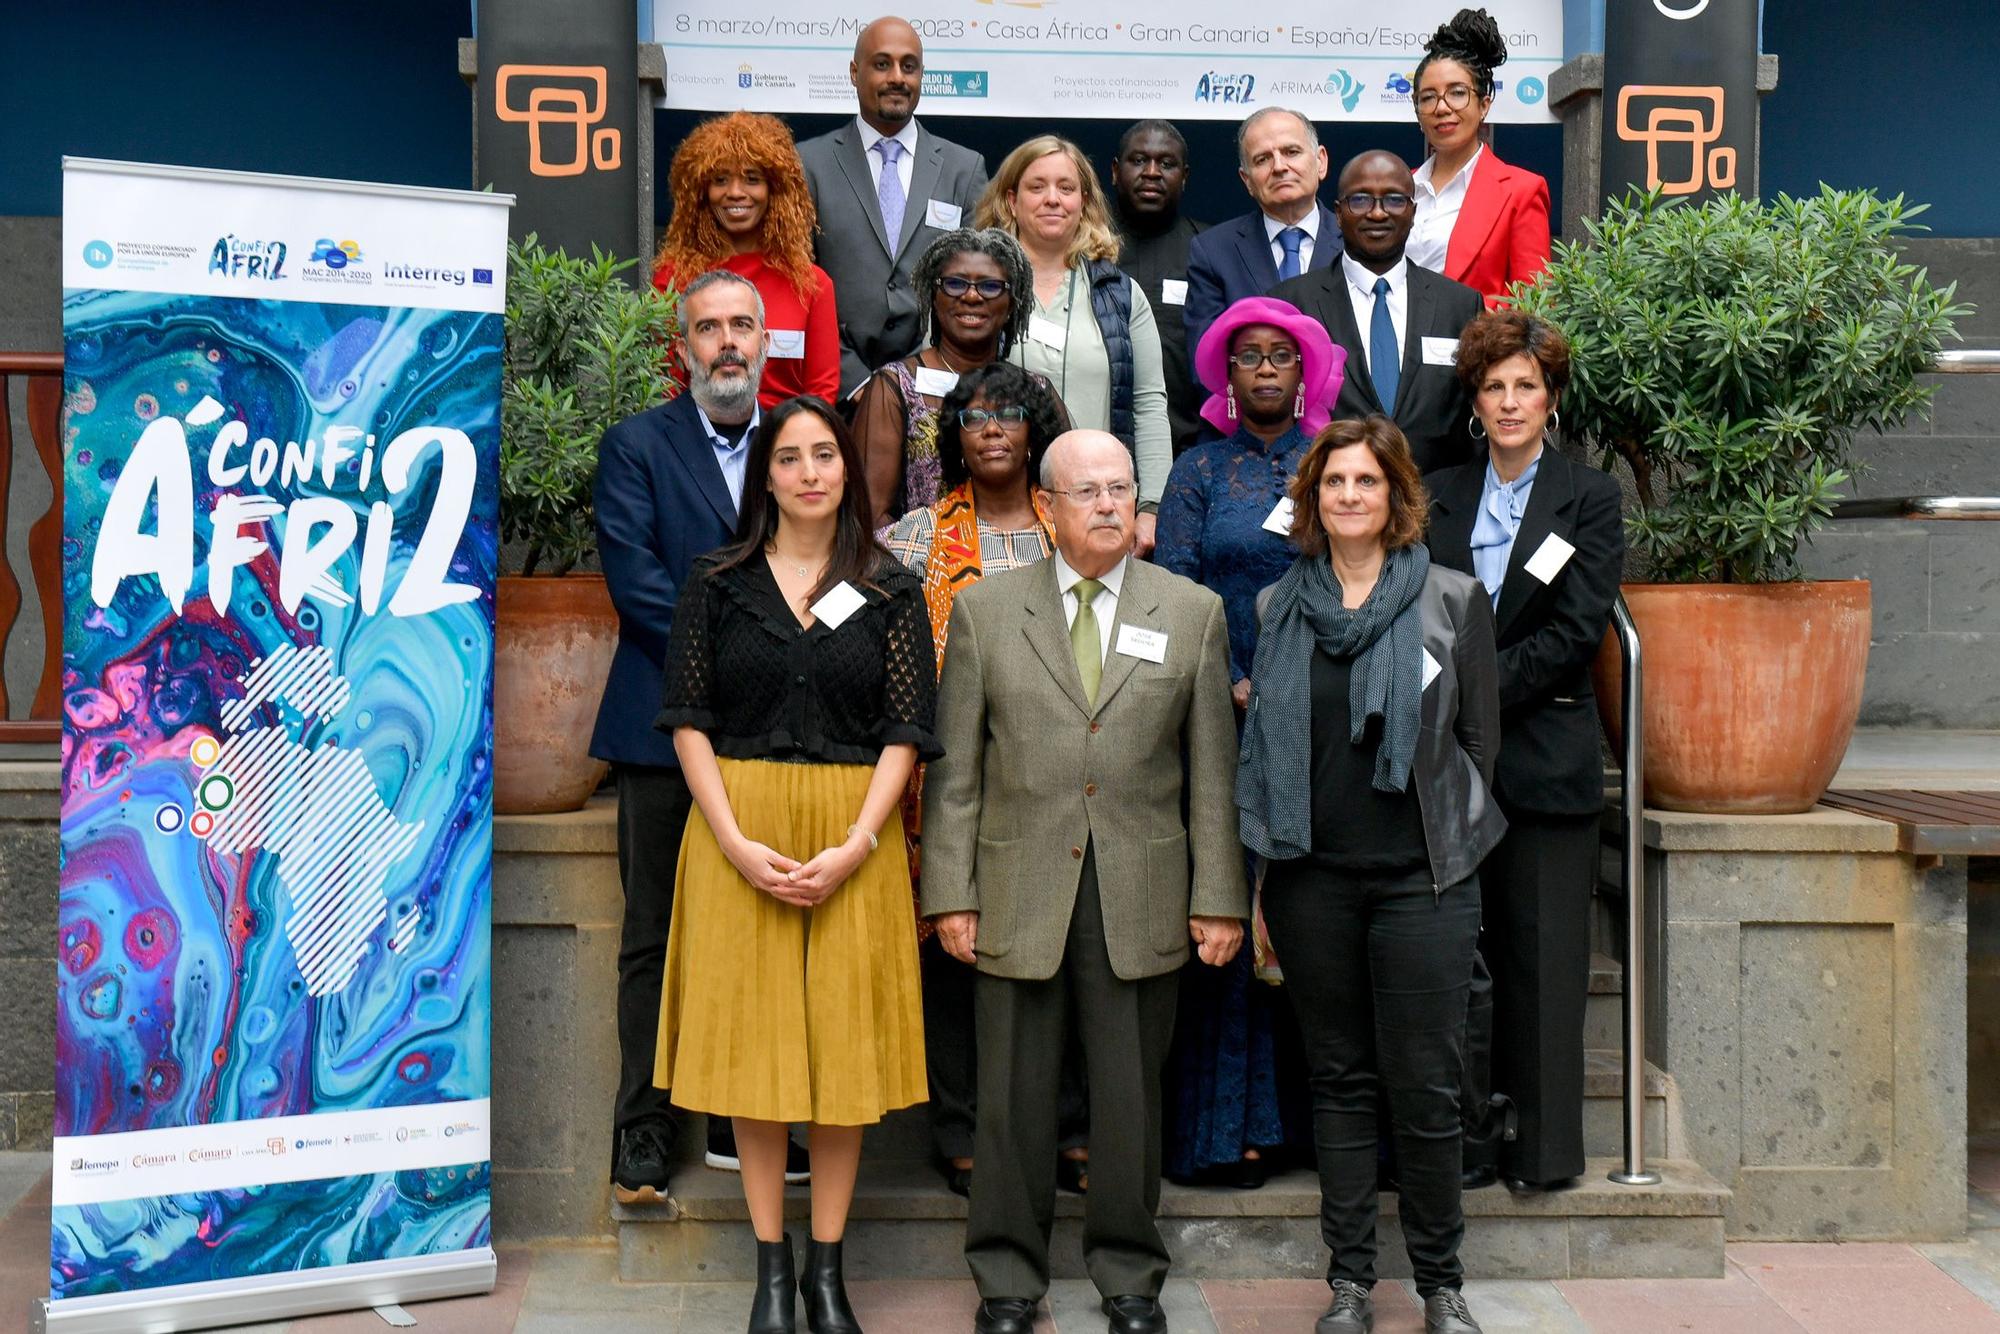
783, 1013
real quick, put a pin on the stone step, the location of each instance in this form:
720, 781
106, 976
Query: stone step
905, 1225
1604, 1004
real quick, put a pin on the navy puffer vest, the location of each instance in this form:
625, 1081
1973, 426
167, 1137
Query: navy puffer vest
1111, 303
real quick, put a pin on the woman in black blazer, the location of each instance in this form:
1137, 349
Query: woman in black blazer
1544, 535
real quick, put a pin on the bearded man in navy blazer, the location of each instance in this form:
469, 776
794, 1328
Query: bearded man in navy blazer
1281, 162
669, 482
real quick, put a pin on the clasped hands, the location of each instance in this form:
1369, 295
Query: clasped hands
801, 884
1216, 939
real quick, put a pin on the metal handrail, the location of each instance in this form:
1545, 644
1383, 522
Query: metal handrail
1632, 805
1967, 361
1965, 508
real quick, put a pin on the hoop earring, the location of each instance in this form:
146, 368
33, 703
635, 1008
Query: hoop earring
1555, 422
1475, 427
1229, 401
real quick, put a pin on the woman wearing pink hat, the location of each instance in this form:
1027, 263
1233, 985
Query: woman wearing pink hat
1272, 375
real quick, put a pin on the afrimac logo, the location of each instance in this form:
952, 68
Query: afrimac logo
1346, 87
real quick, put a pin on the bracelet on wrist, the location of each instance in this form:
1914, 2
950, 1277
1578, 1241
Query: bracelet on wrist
873, 842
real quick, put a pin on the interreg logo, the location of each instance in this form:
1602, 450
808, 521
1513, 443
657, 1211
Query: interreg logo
335, 254
954, 83
1233, 89
743, 76
98, 254
1530, 90
235, 257
1344, 86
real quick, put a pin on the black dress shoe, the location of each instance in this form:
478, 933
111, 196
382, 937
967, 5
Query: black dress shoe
1251, 1173
1445, 1312
958, 1180
1004, 1315
1478, 1177
774, 1305
825, 1292
1352, 1310
1520, 1187
1135, 1315
1072, 1174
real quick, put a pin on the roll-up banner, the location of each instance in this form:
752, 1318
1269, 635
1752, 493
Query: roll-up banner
1335, 60
1680, 97
280, 481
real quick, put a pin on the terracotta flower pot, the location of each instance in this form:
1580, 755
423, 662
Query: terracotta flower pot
553, 640
1751, 691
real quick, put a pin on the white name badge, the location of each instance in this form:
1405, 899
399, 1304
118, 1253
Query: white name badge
1279, 520
943, 214
1047, 332
1431, 668
1137, 642
1173, 291
841, 602
935, 383
789, 343
1440, 351
1547, 562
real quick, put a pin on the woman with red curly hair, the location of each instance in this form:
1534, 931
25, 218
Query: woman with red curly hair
740, 203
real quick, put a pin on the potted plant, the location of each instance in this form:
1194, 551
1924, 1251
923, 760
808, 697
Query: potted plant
1730, 353
584, 350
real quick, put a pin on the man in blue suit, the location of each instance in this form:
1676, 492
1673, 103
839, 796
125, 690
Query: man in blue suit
1281, 161
669, 483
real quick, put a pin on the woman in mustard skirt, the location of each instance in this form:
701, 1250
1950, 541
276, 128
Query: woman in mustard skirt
800, 688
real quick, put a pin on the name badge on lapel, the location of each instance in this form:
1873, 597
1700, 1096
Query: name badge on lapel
1440, 351
1431, 668
840, 602
1547, 562
1173, 291
788, 343
935, 383
1136, 641
1047, 332
1279, 520
943, 214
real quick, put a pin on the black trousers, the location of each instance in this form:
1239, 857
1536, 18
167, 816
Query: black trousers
1378, 969
1125, 1029
1537, 886
951, 1056
653, 805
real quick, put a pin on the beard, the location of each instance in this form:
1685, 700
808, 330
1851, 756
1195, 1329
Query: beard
733, 397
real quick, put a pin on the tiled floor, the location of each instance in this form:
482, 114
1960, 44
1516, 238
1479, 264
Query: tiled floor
1858, 1288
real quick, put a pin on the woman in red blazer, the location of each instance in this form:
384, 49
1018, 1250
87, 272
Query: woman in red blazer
1479, 221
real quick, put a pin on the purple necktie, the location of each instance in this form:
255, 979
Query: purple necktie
889, 192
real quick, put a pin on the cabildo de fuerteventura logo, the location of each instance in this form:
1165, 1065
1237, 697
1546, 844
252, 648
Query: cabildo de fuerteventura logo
1346, 87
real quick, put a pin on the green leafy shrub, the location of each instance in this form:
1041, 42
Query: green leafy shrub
1729, 352
584, 351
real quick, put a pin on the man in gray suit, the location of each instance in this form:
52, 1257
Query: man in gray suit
1056, 862
885, 188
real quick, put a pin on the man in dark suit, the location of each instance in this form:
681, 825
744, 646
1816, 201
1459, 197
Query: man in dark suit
668, 485
1399, 323
1148, 180
885, 188
1281, 162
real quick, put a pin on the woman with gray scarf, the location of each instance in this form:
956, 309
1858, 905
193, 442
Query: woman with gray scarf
1365, 783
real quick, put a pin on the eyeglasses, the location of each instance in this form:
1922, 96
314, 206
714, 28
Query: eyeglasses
1083, 497
1364, 204
975, 419
1457, 97
990, 288
1249, 359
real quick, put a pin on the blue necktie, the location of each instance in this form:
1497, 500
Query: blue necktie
1384, 357
889, 192
1291, 239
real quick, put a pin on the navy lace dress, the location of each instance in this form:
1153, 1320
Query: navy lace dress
1234, 1077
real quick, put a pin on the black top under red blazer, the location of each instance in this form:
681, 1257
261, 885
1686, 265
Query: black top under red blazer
1550, 762
1502, 232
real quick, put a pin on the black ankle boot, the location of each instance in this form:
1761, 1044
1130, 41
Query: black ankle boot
827, 1311
773, 1310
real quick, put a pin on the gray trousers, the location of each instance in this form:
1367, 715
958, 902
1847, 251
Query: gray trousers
1125, 1028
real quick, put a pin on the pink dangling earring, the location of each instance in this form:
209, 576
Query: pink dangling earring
1229, 396
1299, 403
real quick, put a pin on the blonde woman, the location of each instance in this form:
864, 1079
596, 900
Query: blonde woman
1091, 332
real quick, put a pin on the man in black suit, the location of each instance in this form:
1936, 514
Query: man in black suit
669, 482
1282, 163
1148, 180
885, 188
1398, 322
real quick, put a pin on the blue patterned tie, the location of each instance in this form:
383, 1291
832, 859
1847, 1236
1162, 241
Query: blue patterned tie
1384, 357
1291, 239
889, 192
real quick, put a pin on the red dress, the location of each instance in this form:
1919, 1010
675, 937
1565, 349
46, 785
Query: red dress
805, 335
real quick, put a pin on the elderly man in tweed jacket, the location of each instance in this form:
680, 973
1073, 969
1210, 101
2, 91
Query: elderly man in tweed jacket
1056, 860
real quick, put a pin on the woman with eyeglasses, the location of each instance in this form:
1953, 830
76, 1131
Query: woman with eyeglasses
1225, 522
980, 291
1479, 221
996, 423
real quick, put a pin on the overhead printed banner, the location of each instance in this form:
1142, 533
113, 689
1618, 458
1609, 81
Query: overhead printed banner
282, 429
1188, 59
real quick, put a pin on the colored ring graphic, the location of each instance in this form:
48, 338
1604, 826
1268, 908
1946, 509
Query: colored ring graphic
203, 824
205, 751
169, 818
216, 792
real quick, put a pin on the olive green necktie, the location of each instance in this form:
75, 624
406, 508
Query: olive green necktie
1083, 641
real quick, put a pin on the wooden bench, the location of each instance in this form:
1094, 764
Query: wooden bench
1929, 823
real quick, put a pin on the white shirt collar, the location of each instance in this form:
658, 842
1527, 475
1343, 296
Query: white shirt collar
907, 136
1458, 183
1363, 280
1112, 579
1309, 224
